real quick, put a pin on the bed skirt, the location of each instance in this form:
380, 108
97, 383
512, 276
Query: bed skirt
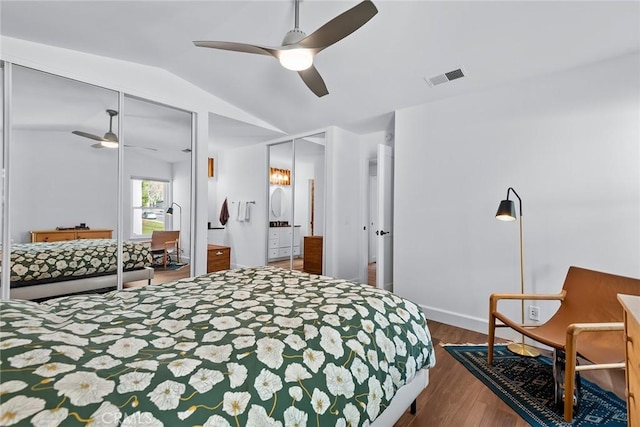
49, 290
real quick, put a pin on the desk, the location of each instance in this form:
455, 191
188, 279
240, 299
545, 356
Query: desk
631, 305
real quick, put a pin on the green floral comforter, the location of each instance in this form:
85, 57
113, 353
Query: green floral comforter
33, 263
248, 347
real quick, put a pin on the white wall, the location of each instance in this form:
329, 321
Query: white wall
304, 172
57, 181
343, 221
567, 143
319, 196
181, 194
241, 175
60, 181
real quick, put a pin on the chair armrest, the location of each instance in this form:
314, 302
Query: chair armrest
494, 298
170, 243
577, 328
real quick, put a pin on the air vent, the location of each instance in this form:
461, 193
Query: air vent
444, 78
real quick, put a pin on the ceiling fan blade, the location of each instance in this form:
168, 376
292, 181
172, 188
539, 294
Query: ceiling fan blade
311, 77
88, 135
237, 47
98, 145
340, 26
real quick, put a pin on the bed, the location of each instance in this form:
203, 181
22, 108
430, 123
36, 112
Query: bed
255, 346
43, 270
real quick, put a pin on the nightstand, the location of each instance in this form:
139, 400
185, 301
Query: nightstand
218, 258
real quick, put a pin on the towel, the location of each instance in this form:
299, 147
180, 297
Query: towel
242, 211
224, 213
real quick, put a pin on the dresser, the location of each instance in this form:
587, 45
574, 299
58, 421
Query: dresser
218, 258
312, 254
280, 242
631, 305
72, 234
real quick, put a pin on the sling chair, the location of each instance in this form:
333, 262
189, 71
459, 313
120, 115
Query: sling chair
163, 244
588, 324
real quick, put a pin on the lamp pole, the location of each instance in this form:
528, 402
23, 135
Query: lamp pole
506, 212
170, 212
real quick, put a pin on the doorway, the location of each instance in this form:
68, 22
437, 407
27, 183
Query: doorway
378, 255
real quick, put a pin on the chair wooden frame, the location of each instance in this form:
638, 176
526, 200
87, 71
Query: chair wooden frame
163, 242
578, 283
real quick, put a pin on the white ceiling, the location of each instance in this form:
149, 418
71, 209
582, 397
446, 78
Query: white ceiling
374, 71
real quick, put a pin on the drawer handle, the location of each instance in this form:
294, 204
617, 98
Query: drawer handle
219, 253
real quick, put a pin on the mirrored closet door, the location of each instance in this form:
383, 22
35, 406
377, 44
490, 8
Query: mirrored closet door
64, 183
296, 204
157, 184
88, 166
2, 165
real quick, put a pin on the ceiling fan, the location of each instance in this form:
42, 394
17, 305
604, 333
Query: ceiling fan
110, 139
297, 50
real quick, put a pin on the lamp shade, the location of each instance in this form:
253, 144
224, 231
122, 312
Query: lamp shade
506, 211
170, 211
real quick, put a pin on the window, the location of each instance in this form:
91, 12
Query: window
148, 201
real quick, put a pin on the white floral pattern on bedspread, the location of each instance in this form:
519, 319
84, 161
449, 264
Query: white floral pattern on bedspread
248, 347
40, 262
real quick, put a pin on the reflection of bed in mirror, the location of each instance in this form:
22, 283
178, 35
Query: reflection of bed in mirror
48, 269
73, 180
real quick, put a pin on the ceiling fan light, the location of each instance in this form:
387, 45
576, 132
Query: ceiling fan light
110, 140
109, 144
297, 59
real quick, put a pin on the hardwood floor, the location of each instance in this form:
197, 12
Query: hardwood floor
298, 264
160, 276
455, 397
371, 274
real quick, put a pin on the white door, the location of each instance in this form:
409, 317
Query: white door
373, 216
384, 263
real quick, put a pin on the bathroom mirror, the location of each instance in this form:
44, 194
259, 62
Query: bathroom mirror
277, 202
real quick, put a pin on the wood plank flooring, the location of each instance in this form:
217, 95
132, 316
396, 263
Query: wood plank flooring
455, 397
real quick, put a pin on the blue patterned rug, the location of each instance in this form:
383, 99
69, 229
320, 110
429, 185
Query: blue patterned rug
526, 385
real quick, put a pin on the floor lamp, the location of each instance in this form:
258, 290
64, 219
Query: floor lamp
170, 213
507, 212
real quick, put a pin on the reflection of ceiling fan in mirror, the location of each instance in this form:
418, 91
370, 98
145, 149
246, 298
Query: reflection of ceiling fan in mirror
298, 49
110, 139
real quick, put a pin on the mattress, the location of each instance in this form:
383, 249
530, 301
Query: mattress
255, 346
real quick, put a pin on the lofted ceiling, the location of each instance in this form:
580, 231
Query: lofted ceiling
374, 71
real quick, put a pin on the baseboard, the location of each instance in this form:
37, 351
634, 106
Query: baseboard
464, 321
